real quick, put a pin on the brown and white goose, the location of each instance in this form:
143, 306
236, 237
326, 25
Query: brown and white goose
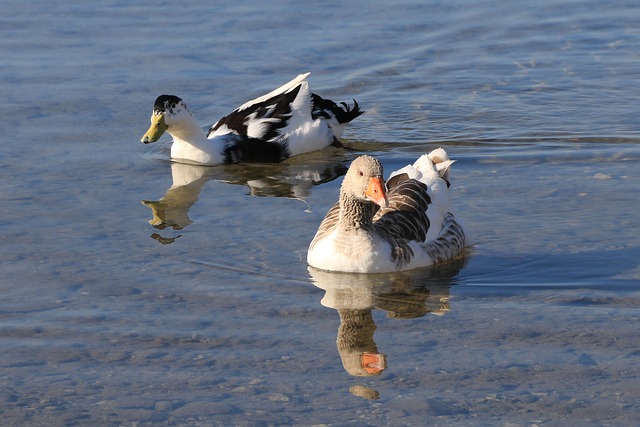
409, 224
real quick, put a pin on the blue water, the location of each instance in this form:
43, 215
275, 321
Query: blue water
212, 316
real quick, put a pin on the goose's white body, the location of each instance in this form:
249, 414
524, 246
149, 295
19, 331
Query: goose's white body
397, 237
361, 254
285, 122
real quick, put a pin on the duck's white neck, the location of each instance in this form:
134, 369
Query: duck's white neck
190, 142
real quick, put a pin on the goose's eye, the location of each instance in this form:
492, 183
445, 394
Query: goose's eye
361, 173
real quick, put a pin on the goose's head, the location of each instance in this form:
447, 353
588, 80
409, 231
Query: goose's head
364, 181
166, 113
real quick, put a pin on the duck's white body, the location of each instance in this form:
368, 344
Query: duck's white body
285, 122
414, 228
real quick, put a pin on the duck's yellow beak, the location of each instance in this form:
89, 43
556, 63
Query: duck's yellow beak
375, 192
157, 128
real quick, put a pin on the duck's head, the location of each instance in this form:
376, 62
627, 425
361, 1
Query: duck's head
364, 181
165, 110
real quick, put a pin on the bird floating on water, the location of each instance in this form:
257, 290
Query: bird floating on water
285, 122
408, 224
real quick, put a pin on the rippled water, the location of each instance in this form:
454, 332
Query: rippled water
196, 307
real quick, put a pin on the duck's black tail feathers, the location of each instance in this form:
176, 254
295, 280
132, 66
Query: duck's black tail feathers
327, 109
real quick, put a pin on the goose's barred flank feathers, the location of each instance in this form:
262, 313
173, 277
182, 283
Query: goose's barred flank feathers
450, 243
328, 224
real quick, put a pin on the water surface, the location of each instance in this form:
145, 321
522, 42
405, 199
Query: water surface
196, 307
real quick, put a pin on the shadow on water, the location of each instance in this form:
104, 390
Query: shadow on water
403, 295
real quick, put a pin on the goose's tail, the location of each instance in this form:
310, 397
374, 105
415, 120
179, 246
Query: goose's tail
437, 160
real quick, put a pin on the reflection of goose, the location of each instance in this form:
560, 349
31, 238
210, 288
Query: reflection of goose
358, 350
285, 122
402, 295
292, 178
373, 230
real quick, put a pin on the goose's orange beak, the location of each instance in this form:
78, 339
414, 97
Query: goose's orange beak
375, 192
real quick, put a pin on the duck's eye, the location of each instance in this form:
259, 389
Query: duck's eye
361, 173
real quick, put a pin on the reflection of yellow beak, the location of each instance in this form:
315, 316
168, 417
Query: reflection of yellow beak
157, 128
375, 192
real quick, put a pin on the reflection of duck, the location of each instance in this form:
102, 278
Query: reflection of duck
402, 295
292, 178
373, 230
172, 210
285, 122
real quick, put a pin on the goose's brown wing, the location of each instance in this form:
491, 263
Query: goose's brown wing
406, 215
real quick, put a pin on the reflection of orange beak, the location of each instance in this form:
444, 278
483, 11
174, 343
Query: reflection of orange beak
373, 363
375, 192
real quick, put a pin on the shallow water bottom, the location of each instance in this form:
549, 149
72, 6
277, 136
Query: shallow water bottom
455, 354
